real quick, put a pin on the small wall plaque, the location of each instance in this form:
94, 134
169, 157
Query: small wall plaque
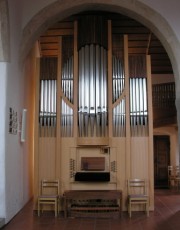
13, 121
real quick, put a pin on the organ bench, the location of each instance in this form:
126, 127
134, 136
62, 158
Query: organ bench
92, 203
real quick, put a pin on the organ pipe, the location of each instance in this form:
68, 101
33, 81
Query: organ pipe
92, 49
92, 91
67, 79
118, 78
119, 120
66, 120
47, 105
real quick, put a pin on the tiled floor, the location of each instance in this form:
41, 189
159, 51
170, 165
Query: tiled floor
165, 217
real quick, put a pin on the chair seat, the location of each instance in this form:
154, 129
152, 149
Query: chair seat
138, 196
48, 196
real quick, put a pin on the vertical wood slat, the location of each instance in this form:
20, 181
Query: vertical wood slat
150, 124
47, 158
110, 117
36, 132
58, 114
139, 157
128, 134
75, 114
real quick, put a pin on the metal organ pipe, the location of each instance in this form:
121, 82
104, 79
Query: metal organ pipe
138, 95
67, 88
47, 106
138, 106
47, 115
92, 48
92, 91
118, 78
118, 87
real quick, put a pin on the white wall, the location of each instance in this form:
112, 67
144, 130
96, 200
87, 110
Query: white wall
14, 153
3, 71
30, 8
169, 10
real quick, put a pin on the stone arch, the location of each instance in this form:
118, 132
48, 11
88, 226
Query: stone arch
132, 8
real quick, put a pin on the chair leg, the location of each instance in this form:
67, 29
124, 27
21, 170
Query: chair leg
58, 203
38, 208
129, 209
147, 209
55, 208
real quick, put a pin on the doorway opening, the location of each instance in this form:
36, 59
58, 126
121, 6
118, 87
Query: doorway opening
161, 161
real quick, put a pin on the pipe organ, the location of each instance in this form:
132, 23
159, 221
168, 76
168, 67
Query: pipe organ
92, 108
95, 95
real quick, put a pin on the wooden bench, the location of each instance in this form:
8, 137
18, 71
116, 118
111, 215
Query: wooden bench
92, 203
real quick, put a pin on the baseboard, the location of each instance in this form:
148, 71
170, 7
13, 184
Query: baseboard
2, 222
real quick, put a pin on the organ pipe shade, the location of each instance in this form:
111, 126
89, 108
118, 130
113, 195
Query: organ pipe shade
137, 66
48, 68
92, 29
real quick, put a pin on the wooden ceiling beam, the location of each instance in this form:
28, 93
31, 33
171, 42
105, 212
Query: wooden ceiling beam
58, 32
49, 53
49, 39
141, 41
49, 46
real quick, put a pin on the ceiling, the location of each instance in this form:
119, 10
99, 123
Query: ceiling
141, 40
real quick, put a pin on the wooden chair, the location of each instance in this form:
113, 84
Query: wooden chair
49, 195
177, 178
137, 194
171, 176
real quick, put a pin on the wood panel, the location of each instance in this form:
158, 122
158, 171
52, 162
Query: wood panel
47, 158
139, 157
93, 163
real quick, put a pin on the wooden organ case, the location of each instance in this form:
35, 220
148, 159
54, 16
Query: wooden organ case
95, 94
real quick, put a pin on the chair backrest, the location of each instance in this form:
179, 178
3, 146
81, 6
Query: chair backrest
177, 170
173, 170
170, 170
137, 186
50, 187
